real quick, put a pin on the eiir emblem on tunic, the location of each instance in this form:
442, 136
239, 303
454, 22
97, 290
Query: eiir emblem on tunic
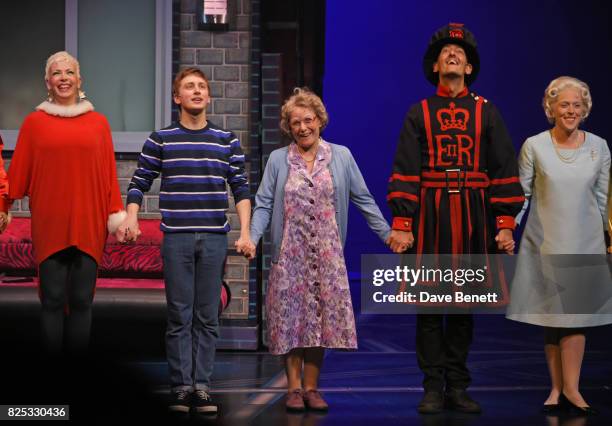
453, 118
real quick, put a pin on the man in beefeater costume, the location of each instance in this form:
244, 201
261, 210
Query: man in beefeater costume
454, 189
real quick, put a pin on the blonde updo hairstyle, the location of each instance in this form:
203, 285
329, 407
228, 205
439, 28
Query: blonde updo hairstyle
302, 97
557, 86
61, 56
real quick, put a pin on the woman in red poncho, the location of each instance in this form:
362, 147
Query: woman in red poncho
64, 161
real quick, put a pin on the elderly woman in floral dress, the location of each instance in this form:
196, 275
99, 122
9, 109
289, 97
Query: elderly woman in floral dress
304, 195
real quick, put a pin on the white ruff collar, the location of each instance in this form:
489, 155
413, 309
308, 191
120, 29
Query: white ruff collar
66, 111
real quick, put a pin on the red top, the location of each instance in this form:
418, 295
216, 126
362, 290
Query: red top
66, 165
3, 180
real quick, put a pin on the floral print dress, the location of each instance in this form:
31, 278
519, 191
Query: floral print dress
308, 300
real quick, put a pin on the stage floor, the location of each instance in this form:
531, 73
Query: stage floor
380, 383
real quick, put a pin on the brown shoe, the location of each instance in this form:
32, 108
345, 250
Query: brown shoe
315, 401
432, 403
295, 400
459, 400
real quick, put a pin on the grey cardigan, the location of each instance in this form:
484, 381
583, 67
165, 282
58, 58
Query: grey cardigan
348, 183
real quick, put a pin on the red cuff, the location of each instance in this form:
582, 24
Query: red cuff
505, 222
5, 204
402, 224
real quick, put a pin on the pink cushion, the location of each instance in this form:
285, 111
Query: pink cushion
123, 262
131, 259
140, 258
17, 232
17, 257
16, 251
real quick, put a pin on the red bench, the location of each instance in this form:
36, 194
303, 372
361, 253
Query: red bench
128, 266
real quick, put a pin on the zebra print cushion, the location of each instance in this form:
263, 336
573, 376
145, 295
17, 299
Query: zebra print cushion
140, 259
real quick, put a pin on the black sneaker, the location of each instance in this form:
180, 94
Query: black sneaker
180, 401
203, 403
459, 400
432, 403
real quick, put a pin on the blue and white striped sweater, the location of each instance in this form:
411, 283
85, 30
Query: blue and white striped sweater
196, 166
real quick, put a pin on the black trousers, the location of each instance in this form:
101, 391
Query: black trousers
67, 282
442, 345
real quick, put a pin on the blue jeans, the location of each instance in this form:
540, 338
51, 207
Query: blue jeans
193, 270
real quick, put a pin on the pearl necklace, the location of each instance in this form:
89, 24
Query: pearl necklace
568, 159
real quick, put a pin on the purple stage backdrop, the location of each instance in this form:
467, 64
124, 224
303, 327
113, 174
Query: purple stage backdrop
373, 74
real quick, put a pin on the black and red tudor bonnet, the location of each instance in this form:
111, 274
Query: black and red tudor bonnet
453, 33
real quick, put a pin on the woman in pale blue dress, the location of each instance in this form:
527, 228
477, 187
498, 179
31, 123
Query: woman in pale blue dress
565, 173
610, 215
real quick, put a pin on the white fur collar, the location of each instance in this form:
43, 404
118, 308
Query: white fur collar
66, 111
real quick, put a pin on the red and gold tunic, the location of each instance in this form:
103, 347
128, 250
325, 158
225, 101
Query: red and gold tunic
455, 175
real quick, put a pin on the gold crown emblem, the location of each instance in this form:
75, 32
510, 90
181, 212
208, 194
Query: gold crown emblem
453, 118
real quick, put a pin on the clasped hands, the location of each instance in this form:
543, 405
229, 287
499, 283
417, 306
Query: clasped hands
128, 231
246, 247
400, 241
505, 241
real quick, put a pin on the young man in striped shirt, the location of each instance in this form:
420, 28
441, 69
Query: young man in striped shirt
197, 161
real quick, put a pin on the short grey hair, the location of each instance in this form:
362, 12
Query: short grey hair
302, 97
61, 56
557, 86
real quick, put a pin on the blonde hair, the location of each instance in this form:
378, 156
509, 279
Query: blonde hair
61, 56
302, 97
557, 86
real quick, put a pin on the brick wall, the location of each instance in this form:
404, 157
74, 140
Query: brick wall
225, 58
255, 299
271, 98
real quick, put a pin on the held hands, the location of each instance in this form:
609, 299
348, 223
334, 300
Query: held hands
128, 231
400, 241
5, 219
246, 247
505, 242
